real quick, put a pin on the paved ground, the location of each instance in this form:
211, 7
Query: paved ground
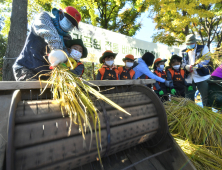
5, 101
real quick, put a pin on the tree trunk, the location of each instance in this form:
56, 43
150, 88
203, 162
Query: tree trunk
16, 38
186, 31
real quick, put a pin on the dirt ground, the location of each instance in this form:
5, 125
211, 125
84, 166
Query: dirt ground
5, 101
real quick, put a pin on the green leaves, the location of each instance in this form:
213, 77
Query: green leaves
184, 17
3, 45
115, 15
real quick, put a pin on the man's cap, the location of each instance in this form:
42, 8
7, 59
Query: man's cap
158, 60
105, 54
190, 39
129, 57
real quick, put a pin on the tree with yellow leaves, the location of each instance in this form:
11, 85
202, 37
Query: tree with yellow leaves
177, 18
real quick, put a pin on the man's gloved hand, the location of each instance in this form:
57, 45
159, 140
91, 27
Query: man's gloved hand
161, 92
168, 83
189, 68
173, 91
56, 57
190, 88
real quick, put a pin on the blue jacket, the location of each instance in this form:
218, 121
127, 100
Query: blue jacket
141, 68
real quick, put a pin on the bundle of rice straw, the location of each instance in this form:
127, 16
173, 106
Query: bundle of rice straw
198, 125
75, 96
215, 58
201, 157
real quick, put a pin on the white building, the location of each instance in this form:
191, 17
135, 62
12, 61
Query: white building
98, 40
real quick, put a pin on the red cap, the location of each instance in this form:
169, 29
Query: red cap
72, 15
107, 51
129, 56
159, 60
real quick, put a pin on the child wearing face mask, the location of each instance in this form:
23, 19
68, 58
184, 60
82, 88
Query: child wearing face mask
160, 88
77, 51
127, 72
178, 76
108, 71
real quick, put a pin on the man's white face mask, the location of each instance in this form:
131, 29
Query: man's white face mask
75, 54
66, 25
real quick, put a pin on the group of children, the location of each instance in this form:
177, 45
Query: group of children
169, 80
174, 75
110, 72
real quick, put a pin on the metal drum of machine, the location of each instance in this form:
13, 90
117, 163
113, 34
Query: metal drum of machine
38, 132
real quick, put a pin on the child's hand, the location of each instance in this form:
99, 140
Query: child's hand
161, 92
173, 91
190, 88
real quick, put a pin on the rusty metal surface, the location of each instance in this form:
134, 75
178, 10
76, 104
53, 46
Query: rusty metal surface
41, 132
16, 97
161, 114
14, 85
29, 111
74, 162
5, 102
32, 133
73, 146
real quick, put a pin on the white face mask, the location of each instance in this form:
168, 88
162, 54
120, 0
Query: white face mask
161, 67
109, 63
66, 25
176, 67
75, 54
129, 64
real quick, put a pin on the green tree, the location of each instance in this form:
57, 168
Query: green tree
3, 45
88, 70
114, 15
16, 37
176, 19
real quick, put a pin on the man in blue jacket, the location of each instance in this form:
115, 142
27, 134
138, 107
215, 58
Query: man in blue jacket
141, 67
47, 34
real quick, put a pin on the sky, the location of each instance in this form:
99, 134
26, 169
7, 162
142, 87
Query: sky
147, 30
